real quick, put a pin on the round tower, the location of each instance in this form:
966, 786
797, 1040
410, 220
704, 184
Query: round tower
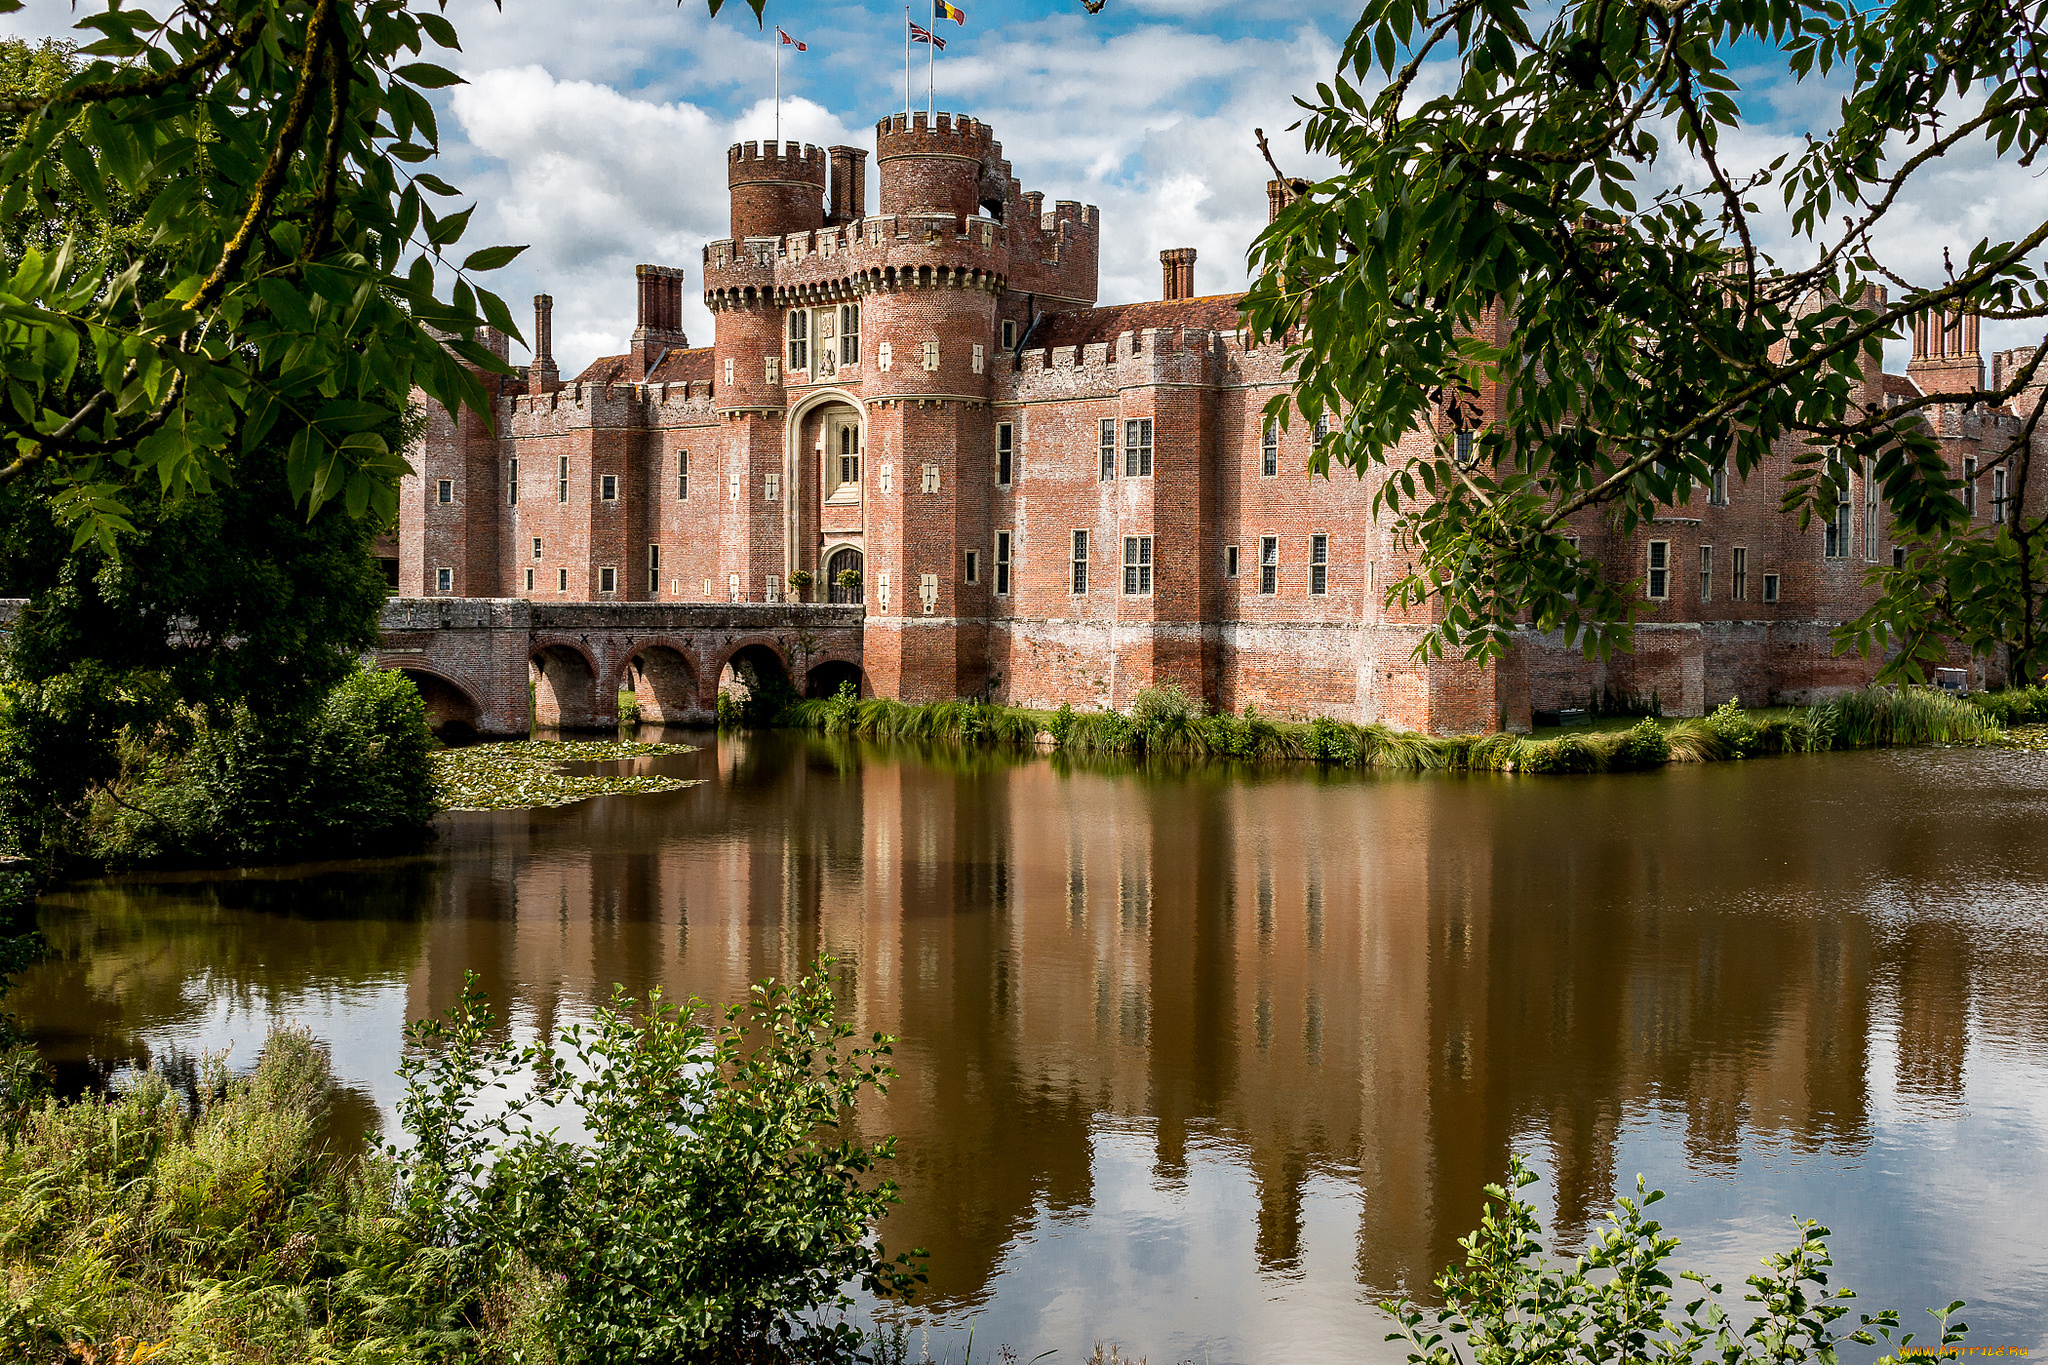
775, 193
951, 163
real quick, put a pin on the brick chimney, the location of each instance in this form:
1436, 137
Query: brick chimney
1278, 197
661, 316
1945, 355
849, 194
1177, 269
542, 376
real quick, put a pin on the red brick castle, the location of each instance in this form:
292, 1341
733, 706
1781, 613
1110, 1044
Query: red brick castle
1039, 500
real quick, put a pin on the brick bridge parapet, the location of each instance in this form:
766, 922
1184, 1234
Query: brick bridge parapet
504, 665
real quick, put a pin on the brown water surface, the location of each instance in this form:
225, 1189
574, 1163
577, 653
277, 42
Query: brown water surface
1207, 1061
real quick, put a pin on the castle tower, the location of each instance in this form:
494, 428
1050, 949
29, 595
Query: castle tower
951, 165
775, 193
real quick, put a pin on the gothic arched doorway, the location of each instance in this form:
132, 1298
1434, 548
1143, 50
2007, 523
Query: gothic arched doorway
843, 559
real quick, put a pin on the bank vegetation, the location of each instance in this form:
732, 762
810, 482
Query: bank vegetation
1168, 722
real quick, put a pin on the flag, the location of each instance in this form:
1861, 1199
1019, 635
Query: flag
800, 47
924, 35
942, 10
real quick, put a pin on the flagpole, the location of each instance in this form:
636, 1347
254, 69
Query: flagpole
906, 63
931, 64
778, 92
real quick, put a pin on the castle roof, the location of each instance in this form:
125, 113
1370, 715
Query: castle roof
1214, 313
676, 367
1900, 386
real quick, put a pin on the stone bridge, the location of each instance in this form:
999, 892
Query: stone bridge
502, 665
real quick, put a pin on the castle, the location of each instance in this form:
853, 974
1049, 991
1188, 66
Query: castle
1038, 500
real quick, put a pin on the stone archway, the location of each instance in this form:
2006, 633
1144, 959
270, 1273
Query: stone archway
757, 679
824, 679
841, 559
665, 686
564, 689
451, 711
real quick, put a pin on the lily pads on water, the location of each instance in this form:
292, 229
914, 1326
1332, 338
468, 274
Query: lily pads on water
532, 773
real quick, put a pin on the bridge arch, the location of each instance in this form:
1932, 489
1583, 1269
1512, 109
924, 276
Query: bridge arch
756, 675
452, 709
564, 687
827, 674
664, 683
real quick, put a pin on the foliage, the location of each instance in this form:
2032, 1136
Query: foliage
20, 945
709, 1214
1878, 716
1490, 236
2014, 706
221, 1234
352, 777
757, 702
1643, 745
1508, 1302
532, 773
800, 581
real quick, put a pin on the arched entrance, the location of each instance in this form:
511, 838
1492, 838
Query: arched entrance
826, 679
827, 460
843, 559
664, 685
564, 690
451, 712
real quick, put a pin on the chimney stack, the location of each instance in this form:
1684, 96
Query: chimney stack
849, 184
661, 316
1945, 354
1177, 269
1277, 198
542, 376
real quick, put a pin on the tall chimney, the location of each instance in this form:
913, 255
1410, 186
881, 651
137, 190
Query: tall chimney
542, 376
849, 184
661, 316
1177, 271
1945, 352
1277, 198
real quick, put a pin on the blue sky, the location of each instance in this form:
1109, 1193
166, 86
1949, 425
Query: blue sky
595, 130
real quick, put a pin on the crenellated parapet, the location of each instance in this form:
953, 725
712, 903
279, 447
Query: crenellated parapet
909, 251
1179, 356
629, 406
773, 190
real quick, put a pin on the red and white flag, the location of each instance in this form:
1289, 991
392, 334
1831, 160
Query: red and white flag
800, 47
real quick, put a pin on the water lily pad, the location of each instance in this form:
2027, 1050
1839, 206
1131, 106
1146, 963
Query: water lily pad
533, 773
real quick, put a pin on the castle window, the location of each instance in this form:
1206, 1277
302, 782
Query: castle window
772, 487
1138, 448
1898, 556
1230, 561
445, 491
1269, 451
512, 483
608, 579
1009, 336
849, 456
1706, 573
1464, 450
1318, 565
1659, 586
444, 580
536, 547
562, 480
1717, 491
1770, 587
1002, 563
682, 476
1322, 432
1108, 450
799, 341
1835, 535
849, 333
1137, 565
974, 566
561, 580
529, 580
1006, 435
1970, 484
609, 488
1080, 562
1738, 574
1269, 565
653, 570
1997, 497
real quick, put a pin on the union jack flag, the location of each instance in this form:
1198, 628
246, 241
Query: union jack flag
924, 35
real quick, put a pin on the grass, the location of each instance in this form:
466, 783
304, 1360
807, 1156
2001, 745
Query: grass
1168, 722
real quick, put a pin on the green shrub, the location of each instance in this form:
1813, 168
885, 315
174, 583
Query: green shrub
629, 706
1330, 742
1642, 745
1876, 716
1507, 1302
2014, 705
1061, 725
351, 778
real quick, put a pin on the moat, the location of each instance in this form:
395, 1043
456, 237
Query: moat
1206, 1061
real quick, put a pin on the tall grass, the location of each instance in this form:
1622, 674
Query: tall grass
1168, 722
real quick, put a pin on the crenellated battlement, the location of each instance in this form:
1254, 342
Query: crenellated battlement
960, 135
748, 161
775, 190
580, 404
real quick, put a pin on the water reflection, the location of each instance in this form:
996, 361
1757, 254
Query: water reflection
1205, 1061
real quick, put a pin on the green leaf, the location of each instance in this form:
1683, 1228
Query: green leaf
427, 76
490, 257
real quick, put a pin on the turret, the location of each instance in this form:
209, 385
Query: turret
775, 193
952, 164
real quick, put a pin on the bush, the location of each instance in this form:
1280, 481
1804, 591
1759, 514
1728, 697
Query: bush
709, 1215
351, 778
1643, 745
2014, 706
1507, 1302
1330, 742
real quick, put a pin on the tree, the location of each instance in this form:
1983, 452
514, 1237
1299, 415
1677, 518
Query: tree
1507, 236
